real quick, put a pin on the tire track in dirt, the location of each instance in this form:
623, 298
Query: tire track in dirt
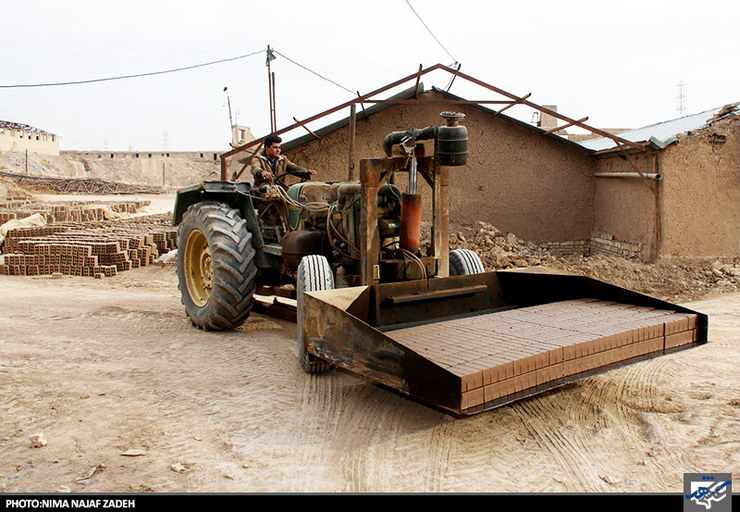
645, 406
102, 367
575, 462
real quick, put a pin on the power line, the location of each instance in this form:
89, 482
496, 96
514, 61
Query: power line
314, 72
94, 80
430, 32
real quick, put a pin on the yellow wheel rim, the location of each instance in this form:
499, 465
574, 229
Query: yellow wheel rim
198, 268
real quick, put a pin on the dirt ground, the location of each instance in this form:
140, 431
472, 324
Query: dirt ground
130, 398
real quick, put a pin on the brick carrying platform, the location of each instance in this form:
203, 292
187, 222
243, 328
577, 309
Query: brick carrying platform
505, 355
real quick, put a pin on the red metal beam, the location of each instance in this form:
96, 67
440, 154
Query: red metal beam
366, 98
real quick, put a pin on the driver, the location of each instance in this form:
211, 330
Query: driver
270, 163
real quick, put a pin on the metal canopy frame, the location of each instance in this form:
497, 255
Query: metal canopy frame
512, 100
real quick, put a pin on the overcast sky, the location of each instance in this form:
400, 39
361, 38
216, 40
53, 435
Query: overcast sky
619, 63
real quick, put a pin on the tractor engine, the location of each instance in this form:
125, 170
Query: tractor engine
324, 218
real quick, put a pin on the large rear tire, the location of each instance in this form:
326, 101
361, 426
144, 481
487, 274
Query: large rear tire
215, 266
464, 262
314, 274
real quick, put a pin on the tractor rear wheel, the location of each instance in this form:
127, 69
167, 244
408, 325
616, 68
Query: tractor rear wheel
215, 266
314, 274
464, 262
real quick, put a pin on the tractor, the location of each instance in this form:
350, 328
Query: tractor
369, 298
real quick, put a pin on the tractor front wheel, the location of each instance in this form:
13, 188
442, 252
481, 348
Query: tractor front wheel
464, 262
215, 266
314, 274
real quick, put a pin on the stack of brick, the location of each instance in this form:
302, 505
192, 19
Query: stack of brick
517, 352
88, 248
75, 211
9, 209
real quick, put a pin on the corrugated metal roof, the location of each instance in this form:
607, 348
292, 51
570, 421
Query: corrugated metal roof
660, 135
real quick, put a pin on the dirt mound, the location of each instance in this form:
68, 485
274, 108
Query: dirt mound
679, 281
172, 171
11, 191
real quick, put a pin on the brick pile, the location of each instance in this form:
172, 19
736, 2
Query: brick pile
518, 352
78, 241
74, 211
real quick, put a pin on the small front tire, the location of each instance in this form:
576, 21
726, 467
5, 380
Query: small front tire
314, 274
464, 262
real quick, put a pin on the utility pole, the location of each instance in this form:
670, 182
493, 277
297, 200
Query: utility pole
271, 88
680, 100
231, 121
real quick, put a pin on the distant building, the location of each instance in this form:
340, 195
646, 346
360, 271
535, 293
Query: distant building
240, 135
22, 137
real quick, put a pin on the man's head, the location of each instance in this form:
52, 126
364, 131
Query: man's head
272, 146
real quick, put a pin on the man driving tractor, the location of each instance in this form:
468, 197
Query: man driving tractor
270, 163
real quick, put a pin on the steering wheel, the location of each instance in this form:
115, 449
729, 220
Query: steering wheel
304, 175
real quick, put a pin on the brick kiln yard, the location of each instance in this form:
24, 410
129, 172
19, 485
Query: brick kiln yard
129, 397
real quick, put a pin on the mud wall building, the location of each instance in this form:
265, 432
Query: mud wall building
693, 210
547, 189
22, 137
513, 179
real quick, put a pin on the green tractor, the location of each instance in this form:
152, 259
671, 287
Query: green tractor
237, 241
427, 322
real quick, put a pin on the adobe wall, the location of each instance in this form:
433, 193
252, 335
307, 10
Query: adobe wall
175, 169
698, 204
39, 142
701, 192
538, 188
625, 209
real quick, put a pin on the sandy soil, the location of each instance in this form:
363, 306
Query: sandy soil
131, 398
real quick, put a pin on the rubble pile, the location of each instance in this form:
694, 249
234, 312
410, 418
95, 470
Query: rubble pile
677, 280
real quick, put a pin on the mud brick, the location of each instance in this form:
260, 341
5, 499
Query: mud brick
525, 364
646, 347
91, 261
585, 363
549, 373
676, 323
496, 390
32, 270
680, 338
693, 321
472, 381
472, 398
502, 369
508, 386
